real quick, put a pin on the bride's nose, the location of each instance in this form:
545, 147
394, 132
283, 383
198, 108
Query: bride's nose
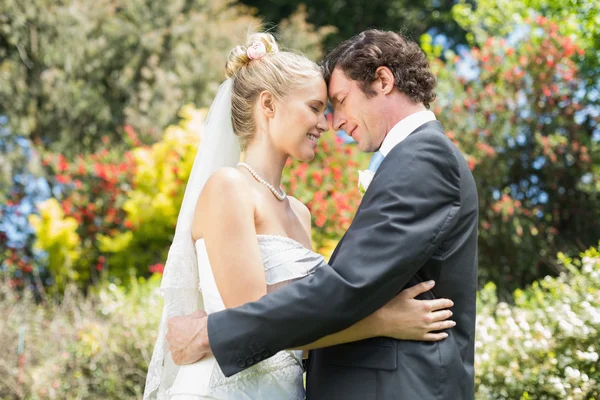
322, 125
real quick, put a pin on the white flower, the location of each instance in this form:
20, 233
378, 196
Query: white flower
572, 373
587, 265
565, 326
585, 356
364, 180
256, 50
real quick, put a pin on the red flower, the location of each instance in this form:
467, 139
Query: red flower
157, 268
321, 219
63, 179
318, 179
63, 165
100, 170
337, 174
15, 282
471, 164
523, 61
546, 91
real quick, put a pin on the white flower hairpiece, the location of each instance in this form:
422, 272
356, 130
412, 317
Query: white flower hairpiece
256, 50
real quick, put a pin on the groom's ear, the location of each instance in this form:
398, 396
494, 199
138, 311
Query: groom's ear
267, 105
384, 80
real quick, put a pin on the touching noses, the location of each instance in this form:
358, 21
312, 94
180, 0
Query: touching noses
322, 125
338, 121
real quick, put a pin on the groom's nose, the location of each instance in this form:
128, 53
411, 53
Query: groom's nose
338, 121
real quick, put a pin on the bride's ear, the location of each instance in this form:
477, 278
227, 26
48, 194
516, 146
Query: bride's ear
267, 104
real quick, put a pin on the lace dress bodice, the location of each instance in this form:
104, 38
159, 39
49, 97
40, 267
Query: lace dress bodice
279, 377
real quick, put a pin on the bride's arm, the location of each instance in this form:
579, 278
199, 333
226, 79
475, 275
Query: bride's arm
230, 237
404, 317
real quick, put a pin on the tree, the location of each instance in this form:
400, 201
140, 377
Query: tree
579, 19
73, 72
518, 117
349, 17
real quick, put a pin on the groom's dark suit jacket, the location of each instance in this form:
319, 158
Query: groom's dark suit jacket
417, 221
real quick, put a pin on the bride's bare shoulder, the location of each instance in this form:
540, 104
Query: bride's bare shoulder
228, 195
226, 181
302, 212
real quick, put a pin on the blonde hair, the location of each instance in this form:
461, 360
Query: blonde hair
278, 72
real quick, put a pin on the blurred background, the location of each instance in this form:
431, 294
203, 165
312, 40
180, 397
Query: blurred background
102, 106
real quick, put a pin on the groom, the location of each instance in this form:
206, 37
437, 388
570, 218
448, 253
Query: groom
417, 222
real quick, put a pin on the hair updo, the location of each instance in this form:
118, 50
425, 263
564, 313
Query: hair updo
277, 72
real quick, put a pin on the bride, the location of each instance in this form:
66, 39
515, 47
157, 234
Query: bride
239, 236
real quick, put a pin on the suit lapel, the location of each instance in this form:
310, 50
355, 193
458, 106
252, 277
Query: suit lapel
428, 125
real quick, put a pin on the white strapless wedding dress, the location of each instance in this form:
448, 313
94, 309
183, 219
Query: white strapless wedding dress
277, 378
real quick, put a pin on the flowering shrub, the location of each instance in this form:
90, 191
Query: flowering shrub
546, 346
89, 193
152, 207
57, 235
511, 106
121, 209
328, 185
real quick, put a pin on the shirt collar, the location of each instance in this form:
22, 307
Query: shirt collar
403, 128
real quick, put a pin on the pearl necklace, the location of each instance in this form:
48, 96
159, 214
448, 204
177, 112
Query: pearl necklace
280, 196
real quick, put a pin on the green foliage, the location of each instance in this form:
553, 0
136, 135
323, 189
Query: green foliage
117, 212
350, 17
152, 207
91, 348
92, 191
516, 123
57, 236
73, 72
296, 34
546, 346
579, 19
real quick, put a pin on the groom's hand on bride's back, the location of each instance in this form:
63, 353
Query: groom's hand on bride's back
407, 318
187, 337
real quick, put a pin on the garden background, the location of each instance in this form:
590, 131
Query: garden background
102, 104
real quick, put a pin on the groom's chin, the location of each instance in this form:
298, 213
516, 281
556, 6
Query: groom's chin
365, 147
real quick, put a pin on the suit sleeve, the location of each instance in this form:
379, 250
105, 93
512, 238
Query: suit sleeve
406, 214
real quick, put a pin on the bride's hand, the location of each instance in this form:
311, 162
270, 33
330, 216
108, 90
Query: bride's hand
407, 318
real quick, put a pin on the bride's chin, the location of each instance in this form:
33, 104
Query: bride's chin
307, 155
303, 154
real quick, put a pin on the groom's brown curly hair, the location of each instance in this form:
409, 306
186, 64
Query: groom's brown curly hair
360, 56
